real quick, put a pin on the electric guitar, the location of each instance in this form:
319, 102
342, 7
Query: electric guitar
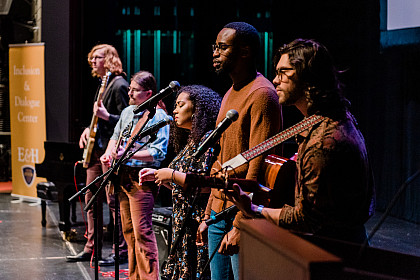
87, 153
123, 135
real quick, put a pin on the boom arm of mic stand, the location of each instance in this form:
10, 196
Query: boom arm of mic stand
123, 158
88, 186
126, 156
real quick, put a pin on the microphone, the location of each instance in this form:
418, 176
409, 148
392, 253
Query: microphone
222, 215
231, 116
153, 101
155, 128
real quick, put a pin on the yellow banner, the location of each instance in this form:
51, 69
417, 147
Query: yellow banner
27, 115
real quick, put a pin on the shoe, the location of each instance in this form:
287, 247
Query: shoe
111, 260
81, 257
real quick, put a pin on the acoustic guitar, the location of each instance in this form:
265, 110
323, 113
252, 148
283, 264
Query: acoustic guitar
87, 153
278, 174
274, 187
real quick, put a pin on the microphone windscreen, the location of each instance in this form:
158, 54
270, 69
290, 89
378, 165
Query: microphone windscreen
232, 115
174, 85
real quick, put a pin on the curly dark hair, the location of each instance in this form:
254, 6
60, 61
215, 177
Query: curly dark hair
246, 35
206, 105
317, 76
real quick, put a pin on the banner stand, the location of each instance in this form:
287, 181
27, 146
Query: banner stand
27, 117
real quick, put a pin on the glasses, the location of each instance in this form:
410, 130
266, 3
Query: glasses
96, 57
281, 73
220, 47
135, 89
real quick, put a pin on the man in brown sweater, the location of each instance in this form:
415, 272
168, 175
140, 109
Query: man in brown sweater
255, 99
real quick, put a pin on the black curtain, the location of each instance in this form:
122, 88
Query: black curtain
383, 85
395, 135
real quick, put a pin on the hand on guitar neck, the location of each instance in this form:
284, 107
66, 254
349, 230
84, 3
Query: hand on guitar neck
100, 111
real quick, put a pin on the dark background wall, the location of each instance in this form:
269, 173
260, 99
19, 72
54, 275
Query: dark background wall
382, 81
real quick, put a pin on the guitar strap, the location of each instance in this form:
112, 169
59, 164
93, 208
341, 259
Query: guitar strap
138, 126
105, 95
277, 139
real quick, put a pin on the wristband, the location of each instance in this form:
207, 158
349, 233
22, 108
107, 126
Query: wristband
258, 212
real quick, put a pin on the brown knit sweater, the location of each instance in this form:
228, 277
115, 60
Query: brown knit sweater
259, 119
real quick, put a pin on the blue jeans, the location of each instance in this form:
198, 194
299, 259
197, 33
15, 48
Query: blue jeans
221, 266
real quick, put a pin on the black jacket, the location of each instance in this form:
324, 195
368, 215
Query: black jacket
115, 99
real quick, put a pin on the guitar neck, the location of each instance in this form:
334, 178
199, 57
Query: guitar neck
94, 121
247, 185
281, 137
93, 126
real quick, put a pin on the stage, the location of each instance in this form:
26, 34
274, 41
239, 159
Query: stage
29, 251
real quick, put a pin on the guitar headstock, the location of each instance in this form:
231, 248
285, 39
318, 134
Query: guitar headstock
105, 78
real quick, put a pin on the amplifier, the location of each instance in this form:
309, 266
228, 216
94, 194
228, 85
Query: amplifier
162, 225
162, 216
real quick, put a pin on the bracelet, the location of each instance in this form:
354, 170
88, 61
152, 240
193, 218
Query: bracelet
172, 177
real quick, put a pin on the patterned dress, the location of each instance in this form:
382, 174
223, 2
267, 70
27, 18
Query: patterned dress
189, 260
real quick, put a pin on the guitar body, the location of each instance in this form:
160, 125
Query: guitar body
124, 134
278, 174
87, 153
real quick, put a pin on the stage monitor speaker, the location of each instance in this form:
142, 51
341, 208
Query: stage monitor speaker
269, 252
162, 224
5, 7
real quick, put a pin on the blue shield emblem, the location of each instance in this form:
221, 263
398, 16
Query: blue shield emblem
28, 173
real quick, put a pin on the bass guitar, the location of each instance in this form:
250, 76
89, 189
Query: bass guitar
87, 153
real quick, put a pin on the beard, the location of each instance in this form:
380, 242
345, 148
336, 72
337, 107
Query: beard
226, 66
131, 101
291, 96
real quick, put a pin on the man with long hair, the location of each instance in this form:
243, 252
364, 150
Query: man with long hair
334, 193
137, 200
103, 58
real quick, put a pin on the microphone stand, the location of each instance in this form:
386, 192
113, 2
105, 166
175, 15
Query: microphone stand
228, 217
111, 176
115, 179
394, 200
180, 234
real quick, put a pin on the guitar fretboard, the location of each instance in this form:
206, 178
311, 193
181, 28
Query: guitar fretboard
281, 137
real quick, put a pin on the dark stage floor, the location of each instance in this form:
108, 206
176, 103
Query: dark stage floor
29, 251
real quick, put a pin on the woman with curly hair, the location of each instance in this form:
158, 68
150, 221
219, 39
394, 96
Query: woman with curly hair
195, 114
